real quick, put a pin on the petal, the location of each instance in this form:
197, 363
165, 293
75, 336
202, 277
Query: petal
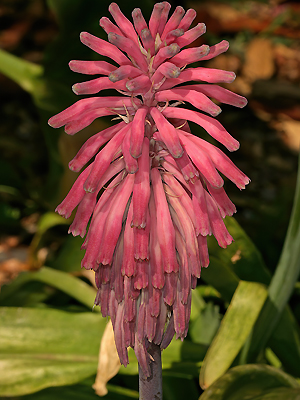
104, 48
202, 161
131, 48
96, 85
218, 227
165, 229
191, 35
92, 146
156, 18
129, 263
141, 188
213, 127
91, 67
219, 93
124, 24
189, 56
108, 26
198, 100
130, 162
157, 272
137, 132
222, 163
173, 22
74, 196
164, 53
113, 224
103, 160
167, 132
83, 214
188, 18
217, 49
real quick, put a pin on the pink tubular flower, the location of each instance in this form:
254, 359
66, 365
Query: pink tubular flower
163, 192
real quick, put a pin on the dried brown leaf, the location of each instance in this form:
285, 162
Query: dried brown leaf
109, 363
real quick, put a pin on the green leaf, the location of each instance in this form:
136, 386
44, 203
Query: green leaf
285, 342
49, 220
204, 327
24, 73
82, 392
234, 330
45, 347
279, 394
221, 277
74, 287
178, 386
250, 382
283, 281
70, 255
241, 256
227, 267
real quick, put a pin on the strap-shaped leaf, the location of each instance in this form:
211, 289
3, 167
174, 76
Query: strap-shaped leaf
235, 327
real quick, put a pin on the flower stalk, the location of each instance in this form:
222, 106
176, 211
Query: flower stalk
151, 387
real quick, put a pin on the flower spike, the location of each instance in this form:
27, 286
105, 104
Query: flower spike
150, 191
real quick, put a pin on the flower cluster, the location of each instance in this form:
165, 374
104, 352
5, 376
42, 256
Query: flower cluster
153, 193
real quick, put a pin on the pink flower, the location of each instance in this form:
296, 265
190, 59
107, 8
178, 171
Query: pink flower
163, 192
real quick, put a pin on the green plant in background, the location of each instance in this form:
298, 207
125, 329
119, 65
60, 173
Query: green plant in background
46, 342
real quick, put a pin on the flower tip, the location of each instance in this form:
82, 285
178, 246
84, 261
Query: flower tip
177, 153
62, 212
71, 65
205, 49
51, 123
173, 49
112, 37
243, 102
72, 166
76, 232
75, 89
58, 211
89, 189
83, 37
174, 72
217, 110
225, 45
231, 76
113, 7
132, 169
101, 21
202, 27
136, 12
55, 121
113, 77
235, 146
247, 181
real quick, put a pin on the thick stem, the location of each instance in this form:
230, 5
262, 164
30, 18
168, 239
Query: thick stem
151, 388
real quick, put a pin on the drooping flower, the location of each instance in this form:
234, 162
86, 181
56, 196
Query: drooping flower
154, 192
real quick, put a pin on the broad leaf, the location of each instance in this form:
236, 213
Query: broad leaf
253, 382
82, 392
46, 347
